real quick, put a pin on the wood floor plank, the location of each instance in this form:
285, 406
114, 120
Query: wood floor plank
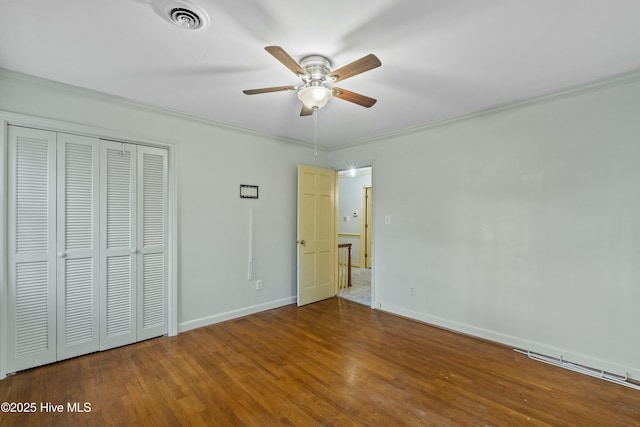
331, 363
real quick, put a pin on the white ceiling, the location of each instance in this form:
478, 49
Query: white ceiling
440, 58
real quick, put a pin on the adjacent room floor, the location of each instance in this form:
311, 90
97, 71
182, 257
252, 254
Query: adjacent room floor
360, 289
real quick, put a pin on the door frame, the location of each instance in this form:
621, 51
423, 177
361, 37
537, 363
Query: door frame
16, 119
366, 227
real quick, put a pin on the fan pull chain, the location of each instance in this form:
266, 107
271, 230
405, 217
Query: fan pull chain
315, 134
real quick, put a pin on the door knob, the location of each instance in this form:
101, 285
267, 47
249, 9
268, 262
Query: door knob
134, 251
61, 254
301, 242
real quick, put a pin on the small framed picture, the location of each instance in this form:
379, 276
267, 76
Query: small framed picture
248, 191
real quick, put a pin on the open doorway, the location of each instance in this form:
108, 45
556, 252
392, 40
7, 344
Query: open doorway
355, 228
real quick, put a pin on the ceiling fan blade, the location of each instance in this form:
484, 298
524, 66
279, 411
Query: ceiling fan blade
286, 60
306, 111
356, 98
269, 89
363, 64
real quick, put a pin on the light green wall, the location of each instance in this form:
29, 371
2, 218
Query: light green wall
520, 225
213, 222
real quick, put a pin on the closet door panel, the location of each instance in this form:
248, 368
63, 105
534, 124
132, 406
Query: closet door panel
31, 248
152, 237
118, 244
77, 245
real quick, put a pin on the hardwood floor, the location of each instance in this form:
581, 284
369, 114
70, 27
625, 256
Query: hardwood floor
331, 363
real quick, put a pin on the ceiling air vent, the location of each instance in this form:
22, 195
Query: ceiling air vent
185, 15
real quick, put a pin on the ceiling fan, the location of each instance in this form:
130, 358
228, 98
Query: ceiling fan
315, 72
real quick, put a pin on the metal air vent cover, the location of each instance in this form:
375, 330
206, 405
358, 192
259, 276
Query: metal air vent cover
185, 15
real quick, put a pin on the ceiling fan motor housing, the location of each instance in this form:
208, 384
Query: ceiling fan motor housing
316, 66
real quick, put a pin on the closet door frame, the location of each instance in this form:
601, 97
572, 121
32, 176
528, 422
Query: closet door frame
9, 118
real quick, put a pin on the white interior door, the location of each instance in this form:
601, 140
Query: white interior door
151, 250
31, 248
317, 239
118, 244
78, 263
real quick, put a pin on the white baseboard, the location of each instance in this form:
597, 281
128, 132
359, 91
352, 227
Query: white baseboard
515, 342
234, 314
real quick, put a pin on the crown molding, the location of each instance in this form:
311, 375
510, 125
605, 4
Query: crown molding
577, 90
29, 79
573, 91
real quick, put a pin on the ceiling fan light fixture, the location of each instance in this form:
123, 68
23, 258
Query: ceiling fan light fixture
314, 97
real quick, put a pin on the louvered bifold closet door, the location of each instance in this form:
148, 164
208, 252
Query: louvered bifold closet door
152, 238
118, 244
31, 248
77, 245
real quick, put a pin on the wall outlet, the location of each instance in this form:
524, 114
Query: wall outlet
412, 291
258, 285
